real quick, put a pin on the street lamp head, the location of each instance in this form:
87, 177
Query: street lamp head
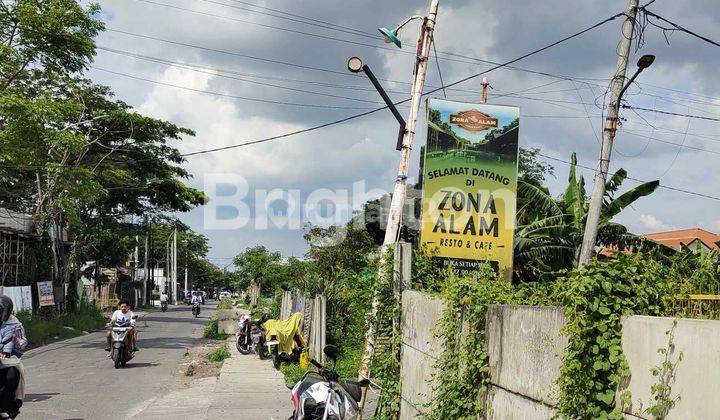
354, 64
645, 61
391, 36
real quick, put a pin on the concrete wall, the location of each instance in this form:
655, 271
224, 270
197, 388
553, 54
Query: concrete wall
228, 318
525, 348
420, 314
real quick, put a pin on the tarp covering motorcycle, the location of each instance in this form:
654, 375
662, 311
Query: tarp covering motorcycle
285, 331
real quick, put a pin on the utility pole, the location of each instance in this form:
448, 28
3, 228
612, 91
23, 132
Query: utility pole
616, 88
174, 268
485, 85
398, 198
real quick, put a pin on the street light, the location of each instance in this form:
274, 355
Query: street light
644, 62
356, 65
392, 36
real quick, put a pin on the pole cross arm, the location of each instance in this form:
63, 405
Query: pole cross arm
389, 103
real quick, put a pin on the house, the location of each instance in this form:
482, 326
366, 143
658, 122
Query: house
694, 239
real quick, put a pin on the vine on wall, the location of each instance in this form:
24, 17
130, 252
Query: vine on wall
462, 368
595, 298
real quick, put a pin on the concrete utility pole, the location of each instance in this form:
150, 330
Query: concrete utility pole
485, 85
173, 286
398, 198
596, 200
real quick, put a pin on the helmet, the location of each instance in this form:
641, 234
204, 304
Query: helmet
6, 308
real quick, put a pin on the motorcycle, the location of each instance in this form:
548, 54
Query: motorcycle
12, 382
196, 309
249, 337
120, 351
287, 331
321, 395
163, 306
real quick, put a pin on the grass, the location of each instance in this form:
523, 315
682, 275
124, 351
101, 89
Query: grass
219, 354
347, 367
42, 328
211, 331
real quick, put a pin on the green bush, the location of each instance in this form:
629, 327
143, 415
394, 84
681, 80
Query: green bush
225, 304
42, 328
211, 331
219, 354
87, 317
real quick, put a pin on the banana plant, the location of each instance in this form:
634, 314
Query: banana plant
550, 230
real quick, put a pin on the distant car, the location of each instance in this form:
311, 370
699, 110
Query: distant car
224, 295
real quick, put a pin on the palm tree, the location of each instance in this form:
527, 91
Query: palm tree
550, 231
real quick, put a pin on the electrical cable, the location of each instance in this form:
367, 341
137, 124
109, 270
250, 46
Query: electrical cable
678, 27
352, 117
226, 95
437, 62
667, 187
659, 111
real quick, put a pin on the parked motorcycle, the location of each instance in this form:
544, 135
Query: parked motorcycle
163, 306
120, 351
284, 339
196, 309
321, 395
250, 337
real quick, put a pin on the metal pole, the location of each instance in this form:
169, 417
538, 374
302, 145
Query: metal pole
398, 197
596, 200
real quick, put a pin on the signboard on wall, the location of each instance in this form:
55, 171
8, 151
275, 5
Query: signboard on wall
45, 293
470, 185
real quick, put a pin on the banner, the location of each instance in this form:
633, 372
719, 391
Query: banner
45, 293
470, 185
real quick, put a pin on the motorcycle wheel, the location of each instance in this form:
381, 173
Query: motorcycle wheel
277, 361
243, 348
118, 362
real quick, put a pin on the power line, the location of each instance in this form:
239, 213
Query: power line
667, 187
226, 95
679, 28
659, 111
216, 72
352, 117
473, 60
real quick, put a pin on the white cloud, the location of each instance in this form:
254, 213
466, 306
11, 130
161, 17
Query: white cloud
653, 223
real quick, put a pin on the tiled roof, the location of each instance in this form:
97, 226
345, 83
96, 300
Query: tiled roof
676, 238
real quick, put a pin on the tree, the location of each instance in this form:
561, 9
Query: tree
260, 267
549, 236
92, 163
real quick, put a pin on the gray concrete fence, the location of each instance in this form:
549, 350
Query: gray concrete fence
525, 348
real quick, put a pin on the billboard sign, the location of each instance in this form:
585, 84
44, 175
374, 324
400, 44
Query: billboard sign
470, 184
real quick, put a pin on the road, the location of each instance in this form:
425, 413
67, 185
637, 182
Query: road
74, 379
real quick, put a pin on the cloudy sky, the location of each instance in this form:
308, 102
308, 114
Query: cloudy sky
280, 67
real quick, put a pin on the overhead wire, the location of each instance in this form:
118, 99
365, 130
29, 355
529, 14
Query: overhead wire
457, 82
667, 187
226, 95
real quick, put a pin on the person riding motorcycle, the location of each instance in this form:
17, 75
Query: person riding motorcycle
164, 298
123, 315
196, 298
12, 339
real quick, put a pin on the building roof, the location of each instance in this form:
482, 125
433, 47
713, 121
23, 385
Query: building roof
684, 237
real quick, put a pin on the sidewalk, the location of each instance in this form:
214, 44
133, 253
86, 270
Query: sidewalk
247, 388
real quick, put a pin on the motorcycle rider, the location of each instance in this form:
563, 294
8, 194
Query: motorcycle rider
11, 377
196, 298
164, 298
124, 315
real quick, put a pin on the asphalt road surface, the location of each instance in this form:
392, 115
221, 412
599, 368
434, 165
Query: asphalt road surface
74, 379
